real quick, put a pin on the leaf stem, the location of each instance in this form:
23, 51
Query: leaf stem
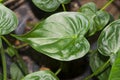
4, 63
63, 7
60, 68
99, 70
17, 55
20, 46
106, 5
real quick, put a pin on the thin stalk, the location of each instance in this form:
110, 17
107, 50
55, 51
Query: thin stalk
63, 7
102, 68
106, 5
4, 63
60, 69
17, 55
20, 46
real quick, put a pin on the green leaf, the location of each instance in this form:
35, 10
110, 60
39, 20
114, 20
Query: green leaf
96, 61
115, 71
49, 5
41, 75
60, 36
15, 71
64, 1
11, 51
98, 19
109, 39
8, 20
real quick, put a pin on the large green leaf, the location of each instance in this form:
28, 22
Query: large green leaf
115, 71
109, 40
41, 75
8, 20
96, 61
98, 19
49, 5
60, 36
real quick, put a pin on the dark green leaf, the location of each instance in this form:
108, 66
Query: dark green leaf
96, 61
15, 71
98, 19
115, 71
8, 20
60, 36
41, 75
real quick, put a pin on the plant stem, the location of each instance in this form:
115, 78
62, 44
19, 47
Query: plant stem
20, 46
106, 5
60, 68
4, 63
63, 7
102, 68
17, 55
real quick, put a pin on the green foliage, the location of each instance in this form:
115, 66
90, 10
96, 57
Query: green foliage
41, 75
98, 19
49, 5
109, 40
96, 61
60, 36
8, 20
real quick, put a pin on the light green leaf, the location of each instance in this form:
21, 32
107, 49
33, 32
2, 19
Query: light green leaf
98, 19
11, 51
49, 5
115, 71
8, 20
41, 75
109, 39
60, 36
96, 61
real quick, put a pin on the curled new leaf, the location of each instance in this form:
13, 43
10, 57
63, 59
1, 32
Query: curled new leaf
49, 5
8, 20
60, 36
41, 75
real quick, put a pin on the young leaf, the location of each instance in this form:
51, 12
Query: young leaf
41, 75
11, 52
60, 36
98, 61
8, 20
115, 71
98, 19
109, 40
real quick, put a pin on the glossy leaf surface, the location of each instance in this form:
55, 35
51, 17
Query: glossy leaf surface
96, 61
109, 40
8, 20
49, 5
60, 36
98, 19
115, 71
41, 75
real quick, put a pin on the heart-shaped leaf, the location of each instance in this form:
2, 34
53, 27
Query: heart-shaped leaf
41, 75
98, 19
60, 36
49, 5
8, 20
109, 40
